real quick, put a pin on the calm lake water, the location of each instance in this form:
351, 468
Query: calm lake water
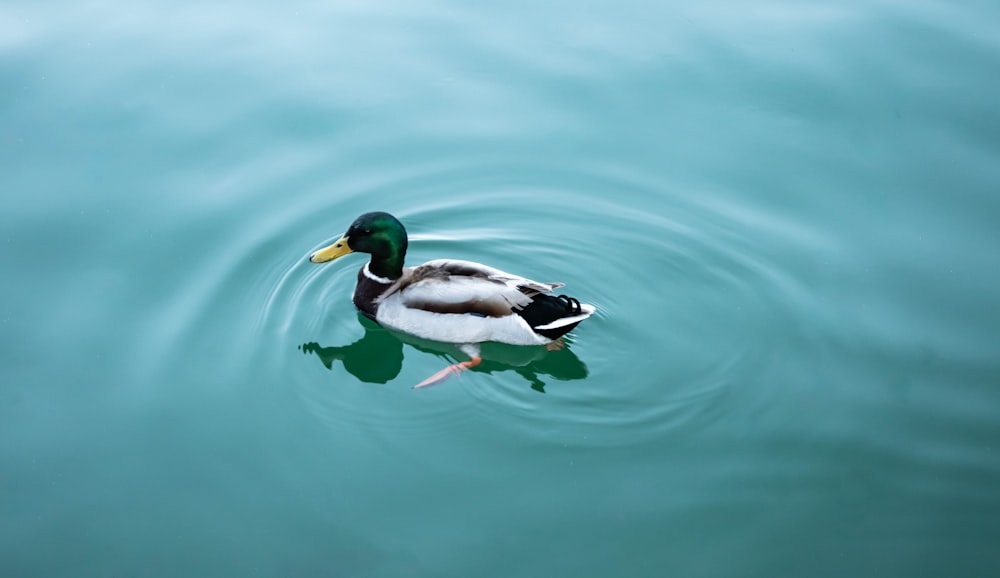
786, 214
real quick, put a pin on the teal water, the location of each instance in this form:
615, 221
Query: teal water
786, 213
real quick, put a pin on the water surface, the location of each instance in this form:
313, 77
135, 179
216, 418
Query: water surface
785, 214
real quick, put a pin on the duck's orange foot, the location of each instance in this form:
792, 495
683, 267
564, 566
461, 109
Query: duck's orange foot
556, 345
449, 371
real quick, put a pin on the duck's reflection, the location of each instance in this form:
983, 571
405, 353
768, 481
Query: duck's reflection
378, 357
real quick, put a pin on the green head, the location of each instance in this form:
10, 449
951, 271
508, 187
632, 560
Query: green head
379, 234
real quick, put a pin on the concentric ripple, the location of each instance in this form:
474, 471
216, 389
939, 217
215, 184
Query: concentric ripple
690, 297
660, 268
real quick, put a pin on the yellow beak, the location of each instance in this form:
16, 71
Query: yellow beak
334, 251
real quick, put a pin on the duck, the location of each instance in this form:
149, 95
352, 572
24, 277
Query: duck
458, 302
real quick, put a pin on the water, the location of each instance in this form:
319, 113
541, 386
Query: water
785, 213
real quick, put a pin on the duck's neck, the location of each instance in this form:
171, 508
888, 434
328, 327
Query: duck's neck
388, 265
388, 252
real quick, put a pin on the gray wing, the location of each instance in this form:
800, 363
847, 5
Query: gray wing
453, 286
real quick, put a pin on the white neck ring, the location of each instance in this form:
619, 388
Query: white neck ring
374, 277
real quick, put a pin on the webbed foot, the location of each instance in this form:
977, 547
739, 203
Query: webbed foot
447, 372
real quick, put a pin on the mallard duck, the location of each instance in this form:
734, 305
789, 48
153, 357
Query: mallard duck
447, 300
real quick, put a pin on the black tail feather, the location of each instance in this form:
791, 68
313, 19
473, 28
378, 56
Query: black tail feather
545, 309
